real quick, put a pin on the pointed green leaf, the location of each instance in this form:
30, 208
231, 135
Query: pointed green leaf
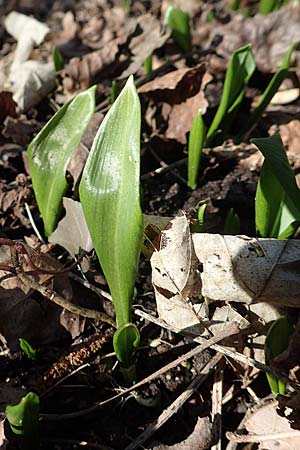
51, 150
27, 349
277, 197
179, 22
270, 91
23, 417
277, 340
110, 196
232, 223
239, 72
196, 142
126, 340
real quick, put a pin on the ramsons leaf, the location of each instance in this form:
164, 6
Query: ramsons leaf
179, 22
51, 150
196, 142
277, 203
276, 342
239, 72
110, 197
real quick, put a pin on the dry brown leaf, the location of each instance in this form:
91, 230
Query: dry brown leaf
82, 72
37, 320
20, 130
269, 34
151, 37
266, 421
182, 115
290, 135
7, 106
175, 87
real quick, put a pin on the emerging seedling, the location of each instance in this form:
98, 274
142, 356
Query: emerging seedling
23, 421
277, 202
110, 196
179, 22
276, 342
232, 223
58, 59
196, 142
27, 349
50, 152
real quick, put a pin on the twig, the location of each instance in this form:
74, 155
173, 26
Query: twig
90, 286
63, 303
216, 413
225, 350
35, 228
178, 403
262, 437
200, 348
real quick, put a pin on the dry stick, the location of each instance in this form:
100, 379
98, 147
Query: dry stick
239, 357
216, 415
174, 407
63, 303
262, 437
200, 348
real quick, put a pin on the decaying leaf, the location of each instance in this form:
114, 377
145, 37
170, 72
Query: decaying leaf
31, 80
72, 232
181, 116
199, 439
269, 34
175, 87
221, 268
38, 322
151, 37
7, 106
175, 278
266, 421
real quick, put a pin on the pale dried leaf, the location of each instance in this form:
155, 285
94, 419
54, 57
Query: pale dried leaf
174, 276
72, 232
199, 439
266, 421
285, 97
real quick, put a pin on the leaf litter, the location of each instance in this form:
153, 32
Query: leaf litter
202, 282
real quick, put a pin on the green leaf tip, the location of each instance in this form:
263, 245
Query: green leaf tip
50, 151
110, 196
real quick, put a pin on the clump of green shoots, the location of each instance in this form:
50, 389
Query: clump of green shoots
276, 342
240, 69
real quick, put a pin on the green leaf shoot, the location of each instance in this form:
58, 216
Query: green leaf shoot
58, 59
27, 349
148, 65
195, 145
270, 90
277, 203
238, 74
232, 223
201, 218
51, 150
110, 197
277, 340
179, 22
23, 420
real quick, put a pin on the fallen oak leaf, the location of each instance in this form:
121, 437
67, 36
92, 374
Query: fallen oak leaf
175, 87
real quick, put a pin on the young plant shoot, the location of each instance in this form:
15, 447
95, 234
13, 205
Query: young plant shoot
23, 421
179, 22
238, 74
110, 196
277, 202
276, 342
51, 150
196, 142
